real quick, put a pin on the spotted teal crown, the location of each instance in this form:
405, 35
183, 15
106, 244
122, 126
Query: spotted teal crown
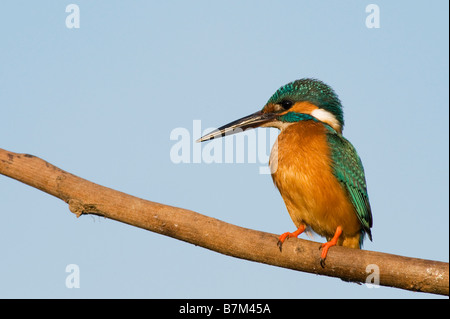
313, 91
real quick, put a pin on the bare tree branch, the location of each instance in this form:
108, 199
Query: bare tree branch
85, 197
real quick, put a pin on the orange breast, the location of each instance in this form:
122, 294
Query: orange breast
302, 171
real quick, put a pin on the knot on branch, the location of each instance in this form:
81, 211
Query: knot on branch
79, 208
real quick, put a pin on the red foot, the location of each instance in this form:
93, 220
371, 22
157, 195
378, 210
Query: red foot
327, 245
287, 235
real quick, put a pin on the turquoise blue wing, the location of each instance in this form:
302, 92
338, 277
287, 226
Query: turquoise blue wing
348, 169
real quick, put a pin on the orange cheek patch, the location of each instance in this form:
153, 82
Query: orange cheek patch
299, 107
303, 107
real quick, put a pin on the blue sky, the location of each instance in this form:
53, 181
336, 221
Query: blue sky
102, 100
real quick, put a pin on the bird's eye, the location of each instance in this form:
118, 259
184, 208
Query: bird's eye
286, 104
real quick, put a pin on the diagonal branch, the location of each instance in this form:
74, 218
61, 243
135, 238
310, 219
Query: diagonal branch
85, 197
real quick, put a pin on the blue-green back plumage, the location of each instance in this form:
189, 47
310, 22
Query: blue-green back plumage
348, 169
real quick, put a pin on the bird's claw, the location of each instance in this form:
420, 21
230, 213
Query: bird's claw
282, 238
322, 262
326, 246
279, 244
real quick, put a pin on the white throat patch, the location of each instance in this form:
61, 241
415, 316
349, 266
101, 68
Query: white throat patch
326, 117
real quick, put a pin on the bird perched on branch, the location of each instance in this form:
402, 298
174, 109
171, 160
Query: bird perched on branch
317, 171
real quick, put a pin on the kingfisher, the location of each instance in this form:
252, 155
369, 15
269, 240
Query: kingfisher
317, 171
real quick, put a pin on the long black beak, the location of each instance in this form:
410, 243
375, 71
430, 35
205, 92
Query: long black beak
251, 121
